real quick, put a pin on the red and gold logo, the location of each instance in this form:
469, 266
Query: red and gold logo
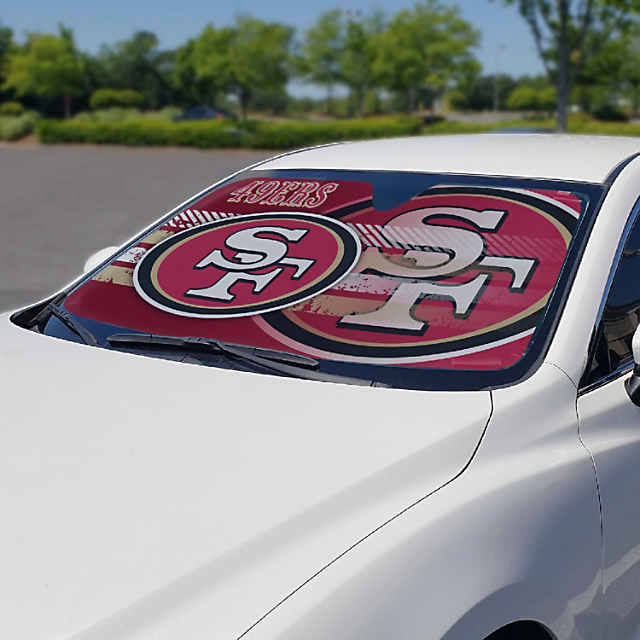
454, 272
246, 265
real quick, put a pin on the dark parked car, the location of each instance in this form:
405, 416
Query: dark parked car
202, 113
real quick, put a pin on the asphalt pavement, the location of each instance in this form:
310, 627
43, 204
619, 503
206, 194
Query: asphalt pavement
60, 204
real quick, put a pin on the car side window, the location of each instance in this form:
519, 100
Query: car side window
621, 314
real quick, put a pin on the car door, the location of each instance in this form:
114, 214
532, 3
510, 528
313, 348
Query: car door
610, 429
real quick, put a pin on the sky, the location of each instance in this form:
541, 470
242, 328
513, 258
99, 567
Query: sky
506, 45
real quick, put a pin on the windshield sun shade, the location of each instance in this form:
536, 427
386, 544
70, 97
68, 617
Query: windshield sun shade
386, 275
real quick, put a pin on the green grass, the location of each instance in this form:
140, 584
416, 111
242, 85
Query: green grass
604, 128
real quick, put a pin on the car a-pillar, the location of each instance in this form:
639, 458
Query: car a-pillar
633, 383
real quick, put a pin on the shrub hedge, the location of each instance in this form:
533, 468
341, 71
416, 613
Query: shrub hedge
445, 127
16, 127
610, 113
286, 135
11, 108
120, 114
156, 131
578, 123
139, 133
224, 133
105, 98
112, 114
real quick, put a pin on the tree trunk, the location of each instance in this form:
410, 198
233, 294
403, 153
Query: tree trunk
244, 103
563, 82
329, 99
563, 90
359, 101
635, 101
411, 99
66, 101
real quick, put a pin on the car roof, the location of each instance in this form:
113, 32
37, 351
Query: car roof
548, 156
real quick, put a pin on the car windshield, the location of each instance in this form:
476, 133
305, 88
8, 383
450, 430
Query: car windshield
408, 280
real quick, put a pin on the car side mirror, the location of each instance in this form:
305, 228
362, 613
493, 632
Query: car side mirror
97, 258
633, 383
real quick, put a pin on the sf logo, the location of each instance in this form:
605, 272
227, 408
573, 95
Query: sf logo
258, 259
246, 265
432, 254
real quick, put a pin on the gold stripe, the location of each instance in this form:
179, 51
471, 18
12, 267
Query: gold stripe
116, 275
158, 236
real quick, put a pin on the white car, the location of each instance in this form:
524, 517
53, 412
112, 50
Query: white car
378, 390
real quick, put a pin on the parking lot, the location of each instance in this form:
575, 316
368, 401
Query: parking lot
60, 204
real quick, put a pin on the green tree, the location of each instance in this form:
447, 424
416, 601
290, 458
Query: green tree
275, 101
482, 92
138, 63
567, 33
523, 99
210, 58
529, 98
183, 77
322, 52
190, 88
49, 67
423, 49
358, 55
547, 99
259, 58
599, 80
250, 57
630, 71
6, 46
611, 74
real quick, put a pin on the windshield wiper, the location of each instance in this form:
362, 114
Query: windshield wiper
68, 320
291, 364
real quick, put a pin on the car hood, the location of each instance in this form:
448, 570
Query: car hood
146, 498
